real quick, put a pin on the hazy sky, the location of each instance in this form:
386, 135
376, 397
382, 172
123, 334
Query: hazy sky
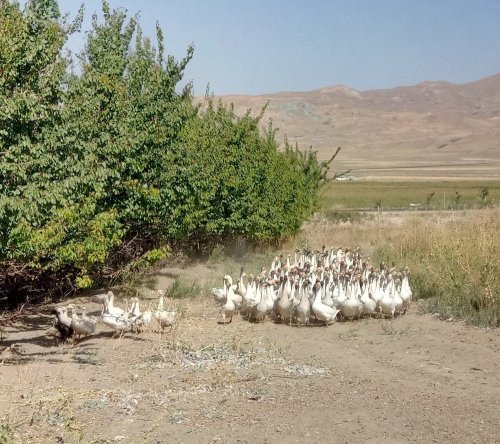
264, 46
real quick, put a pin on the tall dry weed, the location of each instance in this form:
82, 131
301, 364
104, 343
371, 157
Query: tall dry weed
455, 263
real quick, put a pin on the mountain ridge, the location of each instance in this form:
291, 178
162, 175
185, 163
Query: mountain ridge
410, 130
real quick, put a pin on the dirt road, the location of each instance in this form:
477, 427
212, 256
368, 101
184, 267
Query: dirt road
414, 379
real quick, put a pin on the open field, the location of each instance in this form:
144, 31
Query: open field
428, 194
416, 378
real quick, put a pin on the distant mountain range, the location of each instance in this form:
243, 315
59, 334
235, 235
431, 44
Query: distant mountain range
432, 129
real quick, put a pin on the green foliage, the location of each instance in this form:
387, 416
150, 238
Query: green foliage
231, 180
116, 153
6, 435
31, 73
135, 272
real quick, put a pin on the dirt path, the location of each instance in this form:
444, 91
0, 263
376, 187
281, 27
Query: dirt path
414, 379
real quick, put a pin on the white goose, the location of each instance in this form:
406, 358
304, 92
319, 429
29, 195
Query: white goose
405, 292
141, 320
369, 305
375, 288
351, 306
165, 318
321, 311
111, 309
84, 325
271, 296
387, 303
284, 306
250, 298
303, 309
237, 299
398, 301
295, 294
338, 291
328, 292
229, 308
113, 317
259, 311
241, 288
118, 322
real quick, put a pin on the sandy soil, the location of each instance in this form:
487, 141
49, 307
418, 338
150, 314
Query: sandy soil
412, 379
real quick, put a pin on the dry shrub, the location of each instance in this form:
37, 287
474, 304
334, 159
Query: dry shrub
455, 263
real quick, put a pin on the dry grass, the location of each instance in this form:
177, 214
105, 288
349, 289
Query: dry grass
366, 233
455, 264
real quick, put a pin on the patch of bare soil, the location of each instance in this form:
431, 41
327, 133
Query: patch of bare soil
412, 379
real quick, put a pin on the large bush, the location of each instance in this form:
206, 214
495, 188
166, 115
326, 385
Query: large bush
101, 167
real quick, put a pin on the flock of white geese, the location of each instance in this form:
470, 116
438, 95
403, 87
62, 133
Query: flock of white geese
316, 287
118, 319
320, 286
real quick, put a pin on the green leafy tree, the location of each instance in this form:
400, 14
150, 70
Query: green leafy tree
31, 73
102, 160
100, 168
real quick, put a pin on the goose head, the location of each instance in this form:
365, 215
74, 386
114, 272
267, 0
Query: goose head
228, 279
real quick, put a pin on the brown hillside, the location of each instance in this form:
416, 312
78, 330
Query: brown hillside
432, 129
